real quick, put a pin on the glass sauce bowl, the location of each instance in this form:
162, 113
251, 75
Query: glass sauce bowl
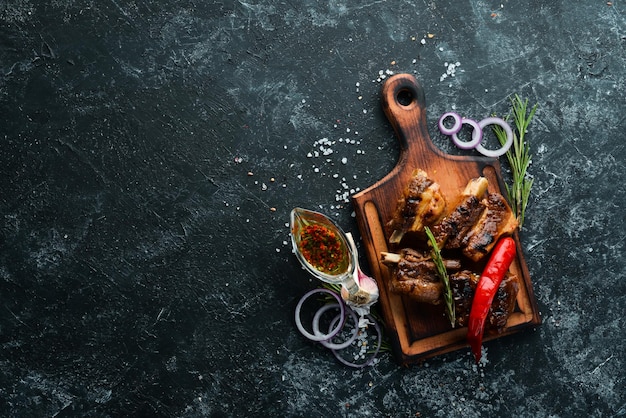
321, 246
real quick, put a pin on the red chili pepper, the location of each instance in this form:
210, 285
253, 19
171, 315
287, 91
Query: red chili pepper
499, 262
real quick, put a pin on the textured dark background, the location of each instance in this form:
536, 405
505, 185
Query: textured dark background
151, 153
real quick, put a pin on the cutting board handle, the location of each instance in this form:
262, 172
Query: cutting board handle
404, 104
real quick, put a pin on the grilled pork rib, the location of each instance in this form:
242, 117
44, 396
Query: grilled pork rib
503, 303
453, 229
415, 275
496, 220
463, 285
422, 204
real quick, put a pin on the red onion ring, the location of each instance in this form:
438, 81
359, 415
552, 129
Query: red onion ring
319, 336
372, 356
507, 144
328, 343
455, 128
477, 135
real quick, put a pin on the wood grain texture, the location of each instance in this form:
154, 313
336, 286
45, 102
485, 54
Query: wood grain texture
418, 331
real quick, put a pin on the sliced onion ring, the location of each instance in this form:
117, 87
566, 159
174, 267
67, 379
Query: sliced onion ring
328, 343
332, 332
477, 135
455, 128
507, 144
372, 356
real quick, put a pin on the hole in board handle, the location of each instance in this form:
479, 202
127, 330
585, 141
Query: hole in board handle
405, 97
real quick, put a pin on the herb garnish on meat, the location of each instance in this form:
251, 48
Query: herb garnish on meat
443, 273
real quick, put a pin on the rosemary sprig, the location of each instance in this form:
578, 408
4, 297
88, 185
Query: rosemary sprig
443, 274
519, 157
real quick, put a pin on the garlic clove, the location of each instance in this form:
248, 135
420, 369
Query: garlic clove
360, 292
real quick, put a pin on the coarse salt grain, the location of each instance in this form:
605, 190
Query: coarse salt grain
450, 70
323, 147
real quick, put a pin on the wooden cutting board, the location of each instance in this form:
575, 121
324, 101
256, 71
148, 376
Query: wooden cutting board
416, 330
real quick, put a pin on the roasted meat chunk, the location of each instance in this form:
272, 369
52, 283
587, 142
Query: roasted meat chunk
418, 289
415, 275
463, 285
422, 204
453, 229
503, 303
496, 220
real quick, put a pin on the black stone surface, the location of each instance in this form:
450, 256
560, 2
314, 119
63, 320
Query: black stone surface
151, 153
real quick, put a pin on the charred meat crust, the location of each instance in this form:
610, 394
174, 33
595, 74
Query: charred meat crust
419, 290
463, 285
415, 264
503, 303
422, 204
452, 231
496, 220
415, 275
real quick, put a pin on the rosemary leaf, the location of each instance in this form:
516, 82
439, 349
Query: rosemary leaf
518, 156
443, 274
